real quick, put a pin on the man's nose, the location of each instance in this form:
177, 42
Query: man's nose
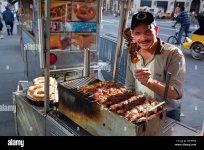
143, 37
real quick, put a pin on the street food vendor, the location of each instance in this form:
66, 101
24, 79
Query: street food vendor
155, 59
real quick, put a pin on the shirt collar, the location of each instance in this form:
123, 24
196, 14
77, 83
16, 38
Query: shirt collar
159, 47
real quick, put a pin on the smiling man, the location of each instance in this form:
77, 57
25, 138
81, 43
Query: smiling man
157, 58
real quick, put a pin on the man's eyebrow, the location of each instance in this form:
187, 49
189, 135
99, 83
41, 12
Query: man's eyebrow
144, 31
147, 29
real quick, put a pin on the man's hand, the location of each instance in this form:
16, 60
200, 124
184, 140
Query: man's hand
143, 75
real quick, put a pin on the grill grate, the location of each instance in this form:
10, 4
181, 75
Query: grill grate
78, 83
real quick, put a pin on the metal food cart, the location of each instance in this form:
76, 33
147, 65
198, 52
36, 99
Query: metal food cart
31, 120
53, 119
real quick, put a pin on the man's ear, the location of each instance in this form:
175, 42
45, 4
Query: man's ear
156, 29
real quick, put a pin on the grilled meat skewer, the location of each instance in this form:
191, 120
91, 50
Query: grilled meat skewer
118, 98
134, 100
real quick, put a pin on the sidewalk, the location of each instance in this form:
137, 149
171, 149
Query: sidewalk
11, 71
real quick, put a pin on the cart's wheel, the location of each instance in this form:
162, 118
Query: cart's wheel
172, 40
195, 51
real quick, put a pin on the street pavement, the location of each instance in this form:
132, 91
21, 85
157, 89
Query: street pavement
11, 71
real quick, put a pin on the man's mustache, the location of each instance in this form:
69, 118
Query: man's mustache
145, 41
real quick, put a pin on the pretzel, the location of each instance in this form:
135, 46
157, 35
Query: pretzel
38, 80
32, 89
41, 80
58, 12
39, 93
84, 13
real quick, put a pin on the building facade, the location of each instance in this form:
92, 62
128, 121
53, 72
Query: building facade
3, 4
166, 5
110, 5
169, 5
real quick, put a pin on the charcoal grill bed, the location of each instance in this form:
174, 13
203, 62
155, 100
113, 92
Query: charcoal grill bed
98, 120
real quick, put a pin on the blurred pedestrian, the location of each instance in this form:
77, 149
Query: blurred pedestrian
9, 20
193, 16
1, 27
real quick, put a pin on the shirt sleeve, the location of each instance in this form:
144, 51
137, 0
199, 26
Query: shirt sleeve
129, 80
177, 68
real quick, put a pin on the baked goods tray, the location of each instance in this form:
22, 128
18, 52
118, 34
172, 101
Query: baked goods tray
53, 101
23, 86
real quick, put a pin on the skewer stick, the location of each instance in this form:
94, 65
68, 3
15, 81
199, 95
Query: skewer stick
167, 86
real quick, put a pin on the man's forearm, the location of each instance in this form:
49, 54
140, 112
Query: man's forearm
159, 88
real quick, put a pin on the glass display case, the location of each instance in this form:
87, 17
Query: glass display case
28, 17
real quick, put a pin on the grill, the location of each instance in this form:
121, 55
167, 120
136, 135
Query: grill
97, 119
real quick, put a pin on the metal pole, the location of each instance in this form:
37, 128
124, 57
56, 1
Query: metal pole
86, 63
41, 41
124, 8
20, 8
47, 54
